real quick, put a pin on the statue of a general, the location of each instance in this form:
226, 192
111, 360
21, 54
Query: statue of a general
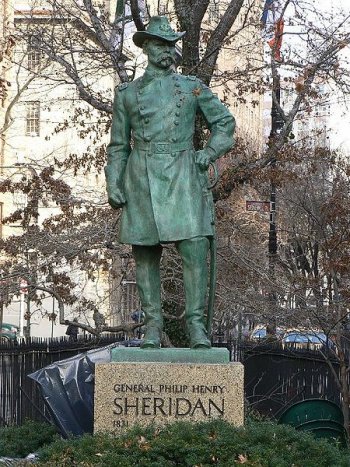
158, 179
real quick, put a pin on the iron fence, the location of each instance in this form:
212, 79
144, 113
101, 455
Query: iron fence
274, 377
19, 396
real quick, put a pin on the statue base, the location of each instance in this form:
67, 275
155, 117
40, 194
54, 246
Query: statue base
158, 386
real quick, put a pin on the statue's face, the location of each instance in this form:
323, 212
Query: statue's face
160, 53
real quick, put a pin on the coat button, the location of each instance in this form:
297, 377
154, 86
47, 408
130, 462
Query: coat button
177, 114
178, 104
146, 120
177, 85
176, 122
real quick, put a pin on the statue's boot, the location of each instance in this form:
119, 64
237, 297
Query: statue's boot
147, 259
195, 274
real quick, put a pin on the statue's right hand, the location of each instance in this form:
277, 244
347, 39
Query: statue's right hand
116, 198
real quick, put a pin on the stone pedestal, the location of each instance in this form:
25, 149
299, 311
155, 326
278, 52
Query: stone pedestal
159, 386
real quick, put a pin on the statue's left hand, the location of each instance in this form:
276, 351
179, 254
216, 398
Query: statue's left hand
202, 159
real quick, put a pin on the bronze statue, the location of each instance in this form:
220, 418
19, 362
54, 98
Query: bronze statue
161, 182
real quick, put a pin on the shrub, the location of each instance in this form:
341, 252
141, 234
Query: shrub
257, 444
19, 441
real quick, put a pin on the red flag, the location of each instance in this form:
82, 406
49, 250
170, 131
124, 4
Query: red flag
276, 42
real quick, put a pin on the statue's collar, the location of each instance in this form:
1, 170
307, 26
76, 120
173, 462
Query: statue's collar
151, 75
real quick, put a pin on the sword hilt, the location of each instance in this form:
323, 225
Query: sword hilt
215, 178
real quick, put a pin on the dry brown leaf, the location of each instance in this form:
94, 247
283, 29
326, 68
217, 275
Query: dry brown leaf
144, 444
128, 443
145, 447
242, 459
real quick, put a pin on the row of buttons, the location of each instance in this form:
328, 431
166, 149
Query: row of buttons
176, 122
148, 139
178, 104
147, 121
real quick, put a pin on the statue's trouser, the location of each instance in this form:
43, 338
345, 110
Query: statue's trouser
193, 253
147, 259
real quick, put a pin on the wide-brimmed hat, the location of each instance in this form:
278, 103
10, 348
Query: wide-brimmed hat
158, 28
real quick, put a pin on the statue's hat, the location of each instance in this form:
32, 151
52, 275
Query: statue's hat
158, 28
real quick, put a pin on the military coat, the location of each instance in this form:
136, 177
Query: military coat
152, 161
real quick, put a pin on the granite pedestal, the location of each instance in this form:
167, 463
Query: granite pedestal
143, 386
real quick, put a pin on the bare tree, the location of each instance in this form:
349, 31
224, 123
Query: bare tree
87, 43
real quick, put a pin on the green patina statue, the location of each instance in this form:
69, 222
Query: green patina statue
158, 179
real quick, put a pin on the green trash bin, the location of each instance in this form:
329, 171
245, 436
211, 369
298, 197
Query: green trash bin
323, 418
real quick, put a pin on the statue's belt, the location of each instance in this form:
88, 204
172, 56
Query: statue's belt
158, 147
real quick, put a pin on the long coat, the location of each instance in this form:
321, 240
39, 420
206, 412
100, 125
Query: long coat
152, 161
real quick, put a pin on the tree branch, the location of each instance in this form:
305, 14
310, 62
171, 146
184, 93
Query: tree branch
217, 37
135, 12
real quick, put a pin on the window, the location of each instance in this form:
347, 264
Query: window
33, 118
129, 299
34, 54
163, 8
20, 199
